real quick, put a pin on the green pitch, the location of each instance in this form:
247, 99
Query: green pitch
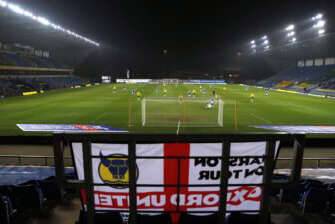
117, 107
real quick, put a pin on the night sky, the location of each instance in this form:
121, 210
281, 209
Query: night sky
199, 35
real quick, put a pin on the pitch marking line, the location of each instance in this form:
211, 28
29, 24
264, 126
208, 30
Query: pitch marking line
260, 118
178, 127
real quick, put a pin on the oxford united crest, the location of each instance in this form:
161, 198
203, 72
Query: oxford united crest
113, 170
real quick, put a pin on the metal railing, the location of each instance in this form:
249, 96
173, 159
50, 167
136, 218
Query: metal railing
60, 141
318, 161
133, 139
20, 159
49, 160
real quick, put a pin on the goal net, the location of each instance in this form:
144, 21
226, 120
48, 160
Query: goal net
185, 112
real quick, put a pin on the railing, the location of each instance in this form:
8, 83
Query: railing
49, 160
46, 159
316, 159
61, 141
133, 140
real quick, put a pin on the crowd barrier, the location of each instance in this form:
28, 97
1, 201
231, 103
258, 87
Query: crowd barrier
94, 197
224, 144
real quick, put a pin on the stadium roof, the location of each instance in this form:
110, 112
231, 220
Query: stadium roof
198, 35
18, 24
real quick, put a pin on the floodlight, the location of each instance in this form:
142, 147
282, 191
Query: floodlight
267, 47
15, 8
253, 46
43, 21
3, 4
252, 42
18, 10
290, 27
322, 31
319, 16
264, 37
266, 42
294, 39
320, 24
290, 34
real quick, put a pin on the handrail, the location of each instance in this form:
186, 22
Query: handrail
46, 159
20, 158
317, 159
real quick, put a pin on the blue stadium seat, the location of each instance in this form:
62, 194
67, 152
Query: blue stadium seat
315, 200
49, 188
6, 210
27, 197
291, 194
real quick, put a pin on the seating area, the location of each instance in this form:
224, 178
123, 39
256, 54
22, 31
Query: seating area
16, 85
309, 196
304, 74
26, 192
26, 72
21, 60
318, 80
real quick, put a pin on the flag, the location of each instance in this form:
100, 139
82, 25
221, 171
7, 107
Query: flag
110, 167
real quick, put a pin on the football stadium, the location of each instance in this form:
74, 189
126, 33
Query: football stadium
147, 112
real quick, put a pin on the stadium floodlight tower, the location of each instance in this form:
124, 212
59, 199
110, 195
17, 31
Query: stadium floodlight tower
291, 34
290, 27
319, 24
320, 27
253, 45
317, 17
3, 4
321, 32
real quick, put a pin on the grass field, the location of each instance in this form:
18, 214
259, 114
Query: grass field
118, 108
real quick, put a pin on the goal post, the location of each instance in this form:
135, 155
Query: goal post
143, 108
182, 111
220, 112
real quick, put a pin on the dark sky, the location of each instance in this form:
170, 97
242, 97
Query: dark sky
200, 31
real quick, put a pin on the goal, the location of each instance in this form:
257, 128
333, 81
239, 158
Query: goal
185, 112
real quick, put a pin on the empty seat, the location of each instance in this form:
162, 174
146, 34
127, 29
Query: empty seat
101, 218
6, 210
290, 195
315, 200
27, 197
50, 189
153, 219
187, 218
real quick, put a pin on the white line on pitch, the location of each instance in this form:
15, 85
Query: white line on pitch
178, 127
260, 118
